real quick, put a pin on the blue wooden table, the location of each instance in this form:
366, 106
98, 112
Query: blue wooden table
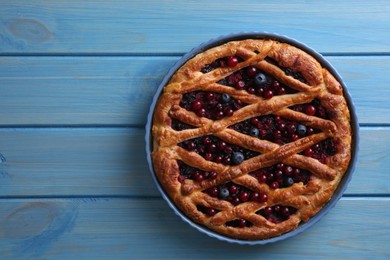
76, 82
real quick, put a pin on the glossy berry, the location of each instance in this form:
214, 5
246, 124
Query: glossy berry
287, 170
251, 71
274, 185
260, 79
196, 105
212, 175
244, 196
301, 130
225, 98
211, 212
228, 112
233, 189
237, 158
242, 223
268, 94
232, 61
254, 132
223, 193
287, 182
240, 85
213, 192
268, 211
310, 110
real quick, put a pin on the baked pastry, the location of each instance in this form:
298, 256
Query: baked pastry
251, 138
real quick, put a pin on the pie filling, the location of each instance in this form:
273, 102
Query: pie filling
235, 193
322, 150
257, 82
281, 175
211, 105
313, 108
214, 149
274, 129
295, 74
188, 172
277, 213
179, 126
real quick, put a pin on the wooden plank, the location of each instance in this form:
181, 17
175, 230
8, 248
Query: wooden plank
119, 90
148, 229
112, 162
133, 27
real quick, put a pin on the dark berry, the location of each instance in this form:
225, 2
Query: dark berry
244, 196
221, 145
223, 193
242, 223
287, 170
240, 85
263, 197
228, 112
198, 176
212, 175
288, 181
213, 192
210, 96
232, 61
268, 211
226, 98
191, 146
211, 212
301, 130
254, 132
260, 79
308, 152
262, 178
237, 158
251, 71
201, 112
233, 189
196, 105
310, 110
234, 200
285, 211
208, 156
274, 185
268, 94
281, 91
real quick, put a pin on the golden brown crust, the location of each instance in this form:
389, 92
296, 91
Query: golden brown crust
307, 199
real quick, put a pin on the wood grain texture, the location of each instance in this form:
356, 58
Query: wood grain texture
119, 90
148, 229
175, 26
112, 162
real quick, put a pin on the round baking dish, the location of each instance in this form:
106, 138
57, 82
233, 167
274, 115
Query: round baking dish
354, 124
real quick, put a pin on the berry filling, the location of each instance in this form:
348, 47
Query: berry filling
256, 82
179, 126
281, 175
230, 61
207, 211
214, 149
273, 128
313, 108
188, 172
322, 150
277, 213
289, 72
211, 105
239, 223
236, 194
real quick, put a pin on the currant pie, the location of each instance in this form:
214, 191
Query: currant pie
251, 138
